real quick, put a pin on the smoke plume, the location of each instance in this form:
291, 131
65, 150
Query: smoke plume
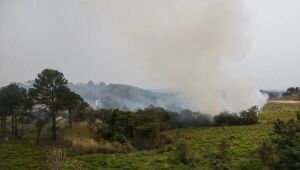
192, 45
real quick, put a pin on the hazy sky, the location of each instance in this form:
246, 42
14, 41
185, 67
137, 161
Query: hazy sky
84, 39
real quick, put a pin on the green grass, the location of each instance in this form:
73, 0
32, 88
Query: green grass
274, 111
15, 155
245, 141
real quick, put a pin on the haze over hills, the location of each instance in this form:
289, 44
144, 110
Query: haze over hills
124, 97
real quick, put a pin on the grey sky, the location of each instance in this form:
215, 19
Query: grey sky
83, 39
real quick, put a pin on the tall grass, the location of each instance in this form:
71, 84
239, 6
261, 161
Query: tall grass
57, 159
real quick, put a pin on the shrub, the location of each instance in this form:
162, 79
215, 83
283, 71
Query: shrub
266, 152
183, 153
145, 136
227, 119
80, 139
249, 116
84, 139
187, 118
285, 153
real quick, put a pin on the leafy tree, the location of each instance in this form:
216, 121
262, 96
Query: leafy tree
73, 103
14, 102
145, 135
3, 116
226, 118
250, 116
140, 128
47, 91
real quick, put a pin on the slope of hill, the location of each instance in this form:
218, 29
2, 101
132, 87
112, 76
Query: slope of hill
276, 110
119, 96
243, 141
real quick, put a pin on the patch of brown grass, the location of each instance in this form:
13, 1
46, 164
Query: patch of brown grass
80, 139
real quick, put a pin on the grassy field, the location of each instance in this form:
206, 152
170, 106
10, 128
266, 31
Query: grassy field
243, 144
15, 155
274, 111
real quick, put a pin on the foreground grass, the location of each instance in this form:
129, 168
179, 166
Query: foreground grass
15, 155
274, 111
244, 142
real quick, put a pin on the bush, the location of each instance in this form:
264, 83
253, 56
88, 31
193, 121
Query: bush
182, 153
227, 119
81, 139
187, 118
145, 136
249, 116
284, 150
266, 152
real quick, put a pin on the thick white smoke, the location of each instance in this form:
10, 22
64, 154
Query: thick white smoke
190, 43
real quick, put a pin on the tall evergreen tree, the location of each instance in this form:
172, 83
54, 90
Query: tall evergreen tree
47, 91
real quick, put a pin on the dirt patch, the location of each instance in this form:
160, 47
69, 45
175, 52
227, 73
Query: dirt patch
284, 101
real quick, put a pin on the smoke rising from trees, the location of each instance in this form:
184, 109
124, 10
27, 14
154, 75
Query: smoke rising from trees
192, 46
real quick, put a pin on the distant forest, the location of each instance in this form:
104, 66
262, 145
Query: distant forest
124, 97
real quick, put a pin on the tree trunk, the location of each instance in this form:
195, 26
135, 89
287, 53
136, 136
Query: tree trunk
21, 130
70, 118
12, 125
53, 127
3, 122
16, 133
38, 135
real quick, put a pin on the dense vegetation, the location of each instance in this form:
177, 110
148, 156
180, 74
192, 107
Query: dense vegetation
53, 127
282, 150
293, 91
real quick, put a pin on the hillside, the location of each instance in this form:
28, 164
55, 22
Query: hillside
273, 111
202, 142
125, 97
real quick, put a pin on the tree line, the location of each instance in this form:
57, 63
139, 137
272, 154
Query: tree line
293, 91
50, 98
